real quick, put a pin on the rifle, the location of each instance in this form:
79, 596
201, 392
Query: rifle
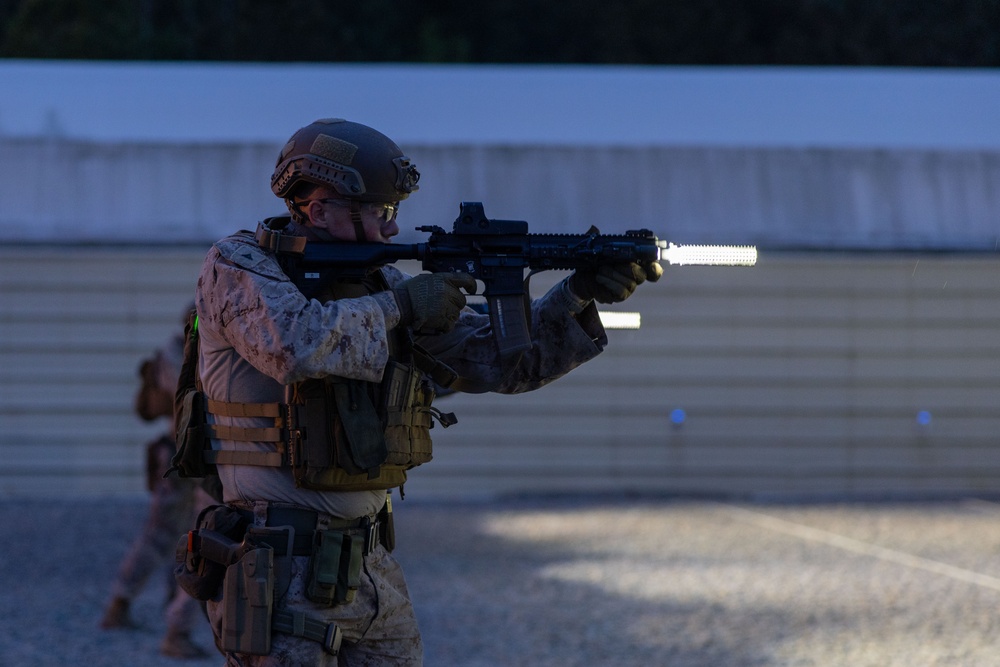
497, 252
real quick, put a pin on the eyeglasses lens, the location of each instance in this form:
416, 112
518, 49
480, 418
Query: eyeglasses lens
386, 212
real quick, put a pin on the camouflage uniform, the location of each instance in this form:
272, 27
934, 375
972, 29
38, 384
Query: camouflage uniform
174, 505
259, 333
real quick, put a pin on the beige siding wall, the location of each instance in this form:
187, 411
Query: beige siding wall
803, 375
75, 324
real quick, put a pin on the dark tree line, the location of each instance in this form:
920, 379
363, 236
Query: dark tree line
949, 33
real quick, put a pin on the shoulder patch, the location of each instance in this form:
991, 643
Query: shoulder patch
242, 250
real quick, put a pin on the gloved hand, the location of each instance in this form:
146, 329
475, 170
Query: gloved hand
613, 283
431, 302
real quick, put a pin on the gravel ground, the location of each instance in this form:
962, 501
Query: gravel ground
574, 581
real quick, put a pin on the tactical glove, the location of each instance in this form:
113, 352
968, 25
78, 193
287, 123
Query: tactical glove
431, 302
613, 283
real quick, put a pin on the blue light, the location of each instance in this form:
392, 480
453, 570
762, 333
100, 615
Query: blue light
678, 416
924, 418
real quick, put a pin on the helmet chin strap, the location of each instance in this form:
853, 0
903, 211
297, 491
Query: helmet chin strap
359, 226
295, 208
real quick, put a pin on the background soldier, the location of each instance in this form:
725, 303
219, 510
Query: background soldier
348, 365
174, 504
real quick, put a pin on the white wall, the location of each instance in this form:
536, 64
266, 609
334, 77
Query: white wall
778, 156
773, 197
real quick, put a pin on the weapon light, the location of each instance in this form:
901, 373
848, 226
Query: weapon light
619, 320
709, 255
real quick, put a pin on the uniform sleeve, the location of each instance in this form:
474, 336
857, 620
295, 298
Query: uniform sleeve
245, 300
562, 339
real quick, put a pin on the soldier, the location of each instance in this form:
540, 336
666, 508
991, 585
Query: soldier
174, 504
348, 365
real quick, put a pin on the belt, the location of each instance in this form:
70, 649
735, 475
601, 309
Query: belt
291, 531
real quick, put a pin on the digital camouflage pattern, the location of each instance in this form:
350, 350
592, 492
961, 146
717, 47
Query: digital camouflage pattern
379, 626
259, 333
174, 506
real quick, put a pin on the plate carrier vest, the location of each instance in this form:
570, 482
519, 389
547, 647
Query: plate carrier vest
336, 434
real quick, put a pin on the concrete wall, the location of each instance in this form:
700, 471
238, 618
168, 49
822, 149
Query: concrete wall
805, 375
828, 198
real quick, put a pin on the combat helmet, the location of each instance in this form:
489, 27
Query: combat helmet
358, 162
